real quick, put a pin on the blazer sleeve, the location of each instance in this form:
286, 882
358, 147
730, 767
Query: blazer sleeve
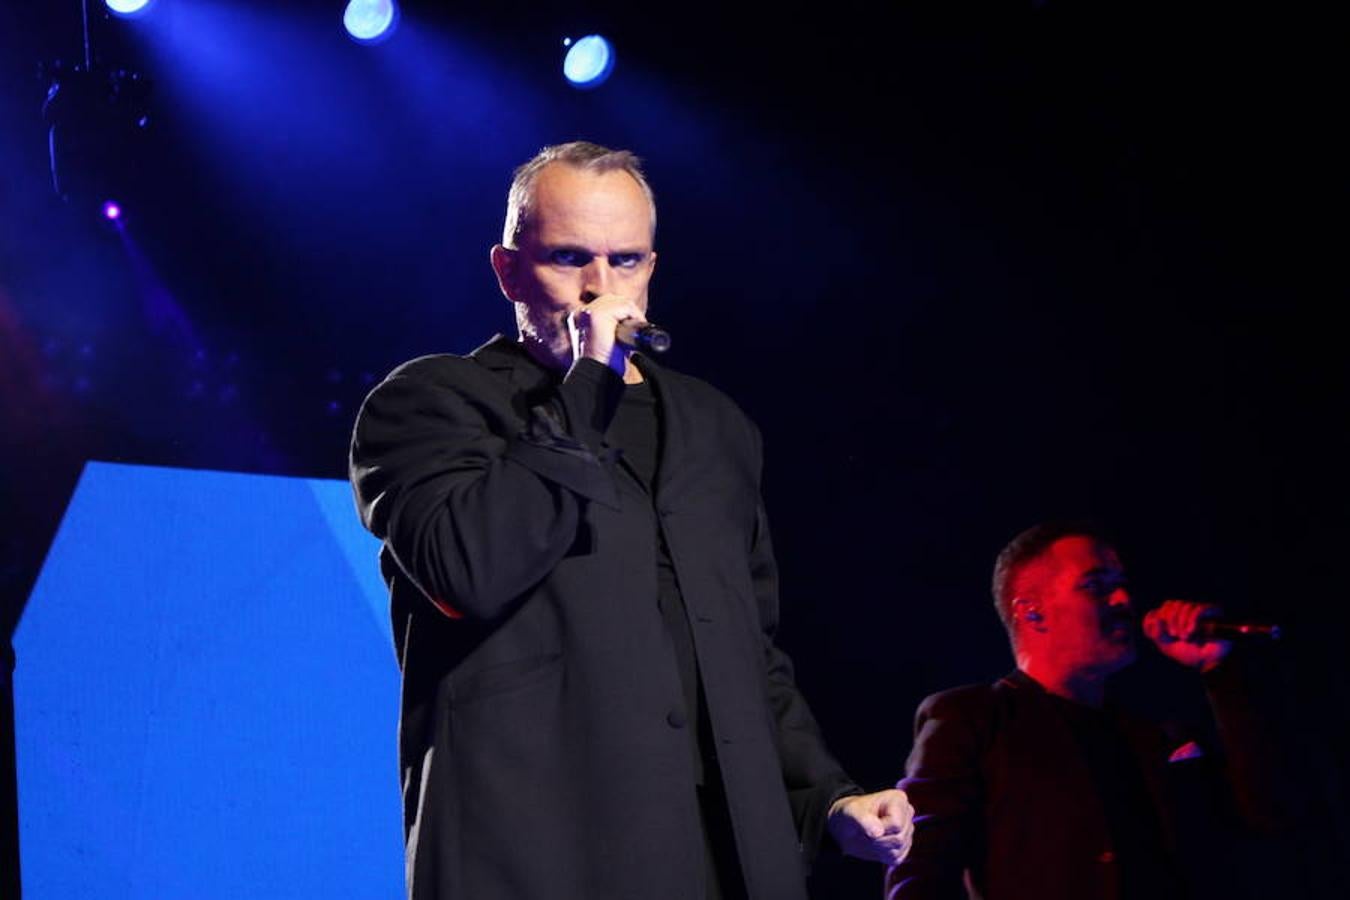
1256, 773
474, 514
946, 788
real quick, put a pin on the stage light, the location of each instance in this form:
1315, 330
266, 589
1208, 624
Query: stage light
127, 7
370, 21
112, 210
96, 124
588, 61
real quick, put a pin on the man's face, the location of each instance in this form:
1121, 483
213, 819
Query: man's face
1087, 622
589, 234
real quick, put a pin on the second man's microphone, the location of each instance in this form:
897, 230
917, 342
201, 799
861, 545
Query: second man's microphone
643, 336
1229, 630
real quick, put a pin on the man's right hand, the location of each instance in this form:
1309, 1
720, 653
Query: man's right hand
1173, 627
592, 329
877, 827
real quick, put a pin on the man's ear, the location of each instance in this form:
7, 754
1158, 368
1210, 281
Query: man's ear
505, 263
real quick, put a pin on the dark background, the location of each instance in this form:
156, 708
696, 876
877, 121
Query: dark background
969, 266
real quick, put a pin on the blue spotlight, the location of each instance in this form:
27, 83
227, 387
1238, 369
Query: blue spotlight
112, 210
127, 8
588, 61
370, 21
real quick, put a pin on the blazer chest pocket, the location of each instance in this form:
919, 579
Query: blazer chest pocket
504, 678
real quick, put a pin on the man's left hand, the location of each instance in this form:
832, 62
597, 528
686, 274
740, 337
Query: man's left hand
1173, 626
878, 827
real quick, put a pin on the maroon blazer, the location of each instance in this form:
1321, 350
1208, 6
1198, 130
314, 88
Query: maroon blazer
1006, 807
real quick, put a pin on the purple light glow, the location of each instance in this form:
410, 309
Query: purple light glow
112, 211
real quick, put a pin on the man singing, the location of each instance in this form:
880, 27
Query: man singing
584, 594
1036, 786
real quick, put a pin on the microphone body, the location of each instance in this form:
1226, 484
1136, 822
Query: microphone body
642, 336
1220, 629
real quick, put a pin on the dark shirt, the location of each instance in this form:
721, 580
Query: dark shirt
1145, 866
636, 431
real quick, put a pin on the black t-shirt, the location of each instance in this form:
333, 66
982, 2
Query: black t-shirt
1147, 869
636, 430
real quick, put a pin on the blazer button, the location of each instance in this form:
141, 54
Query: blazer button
1106, 856
675, 719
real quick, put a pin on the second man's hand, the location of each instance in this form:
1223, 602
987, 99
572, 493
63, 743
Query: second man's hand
1174, 627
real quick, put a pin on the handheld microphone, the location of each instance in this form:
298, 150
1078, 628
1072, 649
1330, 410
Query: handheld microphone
1230, 630
642, 336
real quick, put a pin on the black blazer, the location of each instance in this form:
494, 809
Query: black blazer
541, 736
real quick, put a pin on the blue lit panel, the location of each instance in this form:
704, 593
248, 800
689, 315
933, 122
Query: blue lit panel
206, 694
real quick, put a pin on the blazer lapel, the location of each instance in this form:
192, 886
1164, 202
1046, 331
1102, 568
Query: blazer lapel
508, 357
512, 361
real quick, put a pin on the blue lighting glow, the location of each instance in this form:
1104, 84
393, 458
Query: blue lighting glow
370, 21
128, 7
589, 61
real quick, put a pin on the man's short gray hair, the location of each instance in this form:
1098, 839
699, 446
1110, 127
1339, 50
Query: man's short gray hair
580, 155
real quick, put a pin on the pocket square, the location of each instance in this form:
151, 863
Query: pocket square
1188, 750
